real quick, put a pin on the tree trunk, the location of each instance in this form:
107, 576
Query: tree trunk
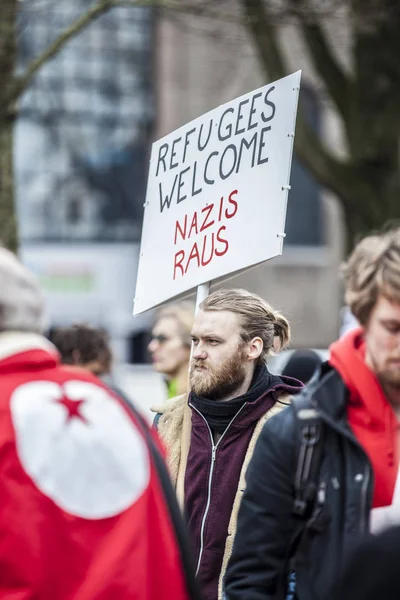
8, 229
374, 124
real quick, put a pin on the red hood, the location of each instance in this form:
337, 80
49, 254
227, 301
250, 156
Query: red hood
348, 358
369, 413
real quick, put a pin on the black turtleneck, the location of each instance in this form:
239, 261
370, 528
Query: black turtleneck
219, 414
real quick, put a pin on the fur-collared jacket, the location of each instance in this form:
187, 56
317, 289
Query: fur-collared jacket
210, 479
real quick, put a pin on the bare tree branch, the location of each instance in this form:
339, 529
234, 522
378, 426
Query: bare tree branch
309, 147
95, 11
325, 62
264, 35
340, 177
22, 82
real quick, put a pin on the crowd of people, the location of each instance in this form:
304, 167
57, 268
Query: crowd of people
249, 485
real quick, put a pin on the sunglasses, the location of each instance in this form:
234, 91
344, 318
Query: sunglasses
161, 339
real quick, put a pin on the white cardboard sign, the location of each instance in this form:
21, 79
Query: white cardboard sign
217, 193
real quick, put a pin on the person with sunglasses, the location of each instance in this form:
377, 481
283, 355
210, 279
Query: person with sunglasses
170, 343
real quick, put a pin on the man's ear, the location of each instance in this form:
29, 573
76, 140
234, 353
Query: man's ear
255, 348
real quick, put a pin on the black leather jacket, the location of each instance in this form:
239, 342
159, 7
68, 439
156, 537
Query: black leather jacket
266, 522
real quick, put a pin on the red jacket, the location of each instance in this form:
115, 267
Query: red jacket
83, 515
370, 415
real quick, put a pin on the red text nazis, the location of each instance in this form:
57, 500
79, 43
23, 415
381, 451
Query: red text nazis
209, 245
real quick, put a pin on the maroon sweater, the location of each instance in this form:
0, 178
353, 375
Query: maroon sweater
212, 478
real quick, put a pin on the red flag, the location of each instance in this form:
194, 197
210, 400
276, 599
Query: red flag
83, 515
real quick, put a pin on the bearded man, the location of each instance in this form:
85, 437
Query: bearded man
210, 435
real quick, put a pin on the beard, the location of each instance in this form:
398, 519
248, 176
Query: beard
218, 382
390, 377
387, 371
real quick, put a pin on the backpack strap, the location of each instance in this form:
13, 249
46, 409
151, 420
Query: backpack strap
310, 437
309, 495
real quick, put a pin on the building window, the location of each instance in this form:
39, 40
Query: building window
84, 131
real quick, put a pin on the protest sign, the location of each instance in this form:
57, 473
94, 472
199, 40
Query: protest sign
217, 194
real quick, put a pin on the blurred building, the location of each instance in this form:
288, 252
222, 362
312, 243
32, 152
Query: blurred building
81, 152
82, 144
